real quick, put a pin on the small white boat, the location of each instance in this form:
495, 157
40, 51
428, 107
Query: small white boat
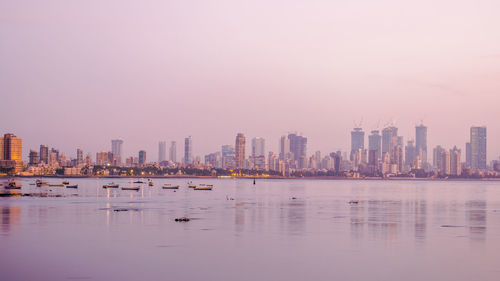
169, 186
204, 187
110, 185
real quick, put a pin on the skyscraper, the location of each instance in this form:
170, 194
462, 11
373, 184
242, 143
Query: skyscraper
172, 153
455, 164
468, 155
258, 157
79, 156
12, 147
188, 150
357, 139
284, 148
142, 157
389, 142
410, 155
298, 149
228, 157
44, 154
240, 151
162, 151
374, 147
478, 147
116, 149
421, 143
34, 157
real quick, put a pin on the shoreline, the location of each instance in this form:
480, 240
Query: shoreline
261, 178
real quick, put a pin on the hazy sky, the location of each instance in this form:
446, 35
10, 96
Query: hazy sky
80, 73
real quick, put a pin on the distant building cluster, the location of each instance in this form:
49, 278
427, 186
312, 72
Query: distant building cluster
385, 155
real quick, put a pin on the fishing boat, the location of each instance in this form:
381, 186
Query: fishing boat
204, 187
192, 186
65, 182
110, 185
131, 188
56, 184
169, 186
72, 186
151, 183
138, 181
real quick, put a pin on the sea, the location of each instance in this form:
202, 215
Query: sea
275, 229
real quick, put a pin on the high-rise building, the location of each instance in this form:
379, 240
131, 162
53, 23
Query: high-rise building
162, 151
390, 143
172, 153
455, 164
228, 157
478, 147
240, 151
357, 139
44, 154
258, 157
101, 158
116, 149
284, 148
468, 155
436, 157
188, 150
421, 143
298, 150
34, 157
142, 157
258, 147
12, 147
410, 155
79, 156
374, 147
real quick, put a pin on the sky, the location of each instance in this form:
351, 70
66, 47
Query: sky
80, 73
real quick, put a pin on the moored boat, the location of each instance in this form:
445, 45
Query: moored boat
204, 187
72, 186
169, 186
11, 184
65, 182
131, 188
56, 184
110, 185
151, 183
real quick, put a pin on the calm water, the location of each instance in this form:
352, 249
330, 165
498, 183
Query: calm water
275, 230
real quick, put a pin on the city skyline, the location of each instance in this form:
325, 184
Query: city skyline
314, 69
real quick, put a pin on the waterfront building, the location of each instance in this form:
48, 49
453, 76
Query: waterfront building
298, 150
273, 161
44, 154
410, 155
213, 160
188, 151
79, 156
357, 139
101, 159
468, 155
142, 157
284, 148
389, 141
162, 151
455, 163
228, 156
12, 149
375, 144
436, 157
478, 148
258, 157
421, 144
34, 157
172, 153
116, 149
240, 151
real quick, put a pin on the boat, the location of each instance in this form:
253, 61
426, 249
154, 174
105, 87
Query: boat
192, 186
169, 186
11, 184
151, 183
40, 183
204, 187
72, 186
56, 184
131, 188
65, 182
138, 181
110, 185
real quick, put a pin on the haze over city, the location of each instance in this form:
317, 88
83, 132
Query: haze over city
80, 73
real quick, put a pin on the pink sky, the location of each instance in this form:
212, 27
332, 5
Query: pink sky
80, 73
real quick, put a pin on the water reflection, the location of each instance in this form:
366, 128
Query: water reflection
384, 217
10, 217
475, 217
420, 209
